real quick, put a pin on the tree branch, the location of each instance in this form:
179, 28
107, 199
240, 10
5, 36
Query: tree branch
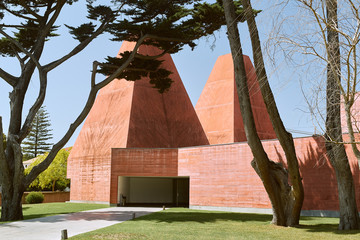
19, 15
23, 3
10, 79
77, 49
91, 99
25, 129
27, 53
147, 57
47, 28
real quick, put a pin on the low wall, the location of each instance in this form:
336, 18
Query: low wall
50, 197
221, 176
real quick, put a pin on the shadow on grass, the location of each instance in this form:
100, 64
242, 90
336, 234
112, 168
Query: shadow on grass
324, 227
32, 216
205, 217
39, 215
310, 224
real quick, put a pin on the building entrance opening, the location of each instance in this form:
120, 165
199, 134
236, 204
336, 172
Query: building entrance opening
153, 191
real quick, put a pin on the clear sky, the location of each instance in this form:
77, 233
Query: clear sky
69, 84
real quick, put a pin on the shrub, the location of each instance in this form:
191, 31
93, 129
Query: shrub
34, 197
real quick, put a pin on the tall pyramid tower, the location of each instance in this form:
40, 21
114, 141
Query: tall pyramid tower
129, 114
218, 106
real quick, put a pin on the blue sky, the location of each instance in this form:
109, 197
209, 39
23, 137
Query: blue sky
69, 84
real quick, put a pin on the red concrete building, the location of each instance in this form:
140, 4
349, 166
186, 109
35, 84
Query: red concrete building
140, 147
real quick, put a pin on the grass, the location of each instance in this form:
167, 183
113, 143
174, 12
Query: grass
48, 209
178, 223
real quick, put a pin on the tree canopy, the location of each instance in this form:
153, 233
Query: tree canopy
54, 175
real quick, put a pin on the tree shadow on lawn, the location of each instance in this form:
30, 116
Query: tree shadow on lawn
209, 217
39, 215
325, 227
205, 217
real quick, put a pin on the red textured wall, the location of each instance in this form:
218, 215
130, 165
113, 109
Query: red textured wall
126, 115
221, 175
141, 162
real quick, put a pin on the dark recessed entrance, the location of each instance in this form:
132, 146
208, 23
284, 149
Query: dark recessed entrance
153, 191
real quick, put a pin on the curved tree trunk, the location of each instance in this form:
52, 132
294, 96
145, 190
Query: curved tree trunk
285, 138
349, 216
273, 175
11, 206
11, 193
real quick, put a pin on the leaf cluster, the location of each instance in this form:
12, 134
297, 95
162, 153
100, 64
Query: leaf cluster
179, 23
27, 35
55, 172
100, 13
139, 68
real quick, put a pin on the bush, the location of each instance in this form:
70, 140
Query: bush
34, 197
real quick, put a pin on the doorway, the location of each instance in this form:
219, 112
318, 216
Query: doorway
153, 191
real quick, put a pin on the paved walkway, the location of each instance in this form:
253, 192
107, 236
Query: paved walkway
49, 228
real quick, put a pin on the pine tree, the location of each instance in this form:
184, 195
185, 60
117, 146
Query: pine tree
36, 142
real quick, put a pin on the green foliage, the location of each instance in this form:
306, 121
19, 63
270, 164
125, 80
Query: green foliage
26, 35
175, 23
54, 177
34, 197
208, 18
37, 140
139, 68
180, 22
83, 32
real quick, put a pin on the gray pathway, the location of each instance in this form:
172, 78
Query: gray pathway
49, 228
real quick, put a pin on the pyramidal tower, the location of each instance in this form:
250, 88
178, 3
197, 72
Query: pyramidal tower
130, 114
218, 106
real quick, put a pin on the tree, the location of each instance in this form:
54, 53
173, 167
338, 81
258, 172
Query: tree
168, 25
286, 200
349, 216
54, 173
331, 41
36, 142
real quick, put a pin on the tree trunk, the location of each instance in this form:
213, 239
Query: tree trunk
53, 185
11, 206
273, 175
285, 138
280, 193
349, 216
12, 188
11, 175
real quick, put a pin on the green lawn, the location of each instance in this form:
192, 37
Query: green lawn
47, 209
178, 223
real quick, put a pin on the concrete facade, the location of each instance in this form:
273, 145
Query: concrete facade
141, 147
